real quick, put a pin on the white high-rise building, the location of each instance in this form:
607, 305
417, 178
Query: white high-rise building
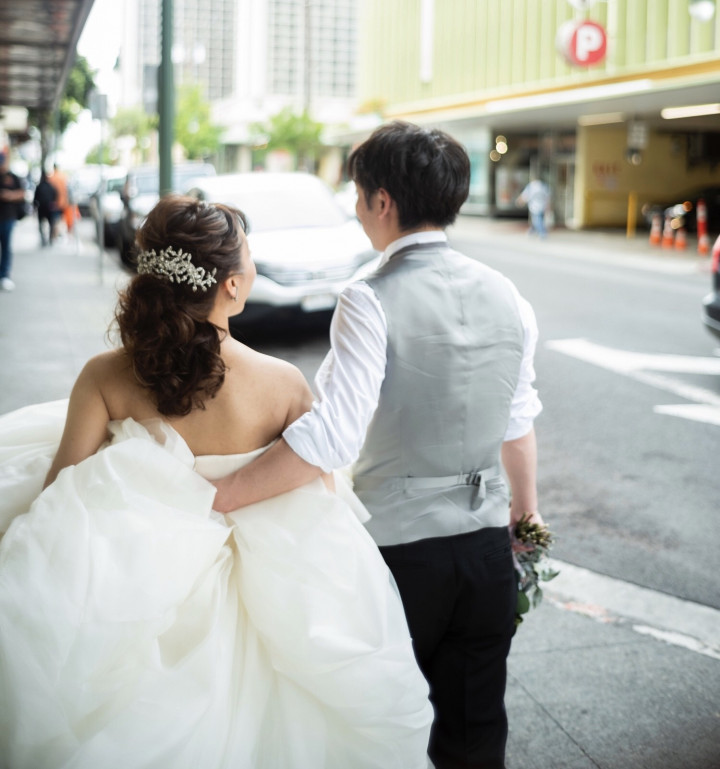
252, 58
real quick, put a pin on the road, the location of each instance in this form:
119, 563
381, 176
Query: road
630, 490
627, 479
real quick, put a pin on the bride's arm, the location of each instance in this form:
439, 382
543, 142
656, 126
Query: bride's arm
86, 423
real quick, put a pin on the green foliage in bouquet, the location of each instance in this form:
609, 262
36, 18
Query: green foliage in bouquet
532, 543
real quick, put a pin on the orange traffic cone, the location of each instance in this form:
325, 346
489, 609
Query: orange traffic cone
668, 236
681, 239
656, 230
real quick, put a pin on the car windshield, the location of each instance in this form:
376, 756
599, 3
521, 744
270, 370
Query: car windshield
148, 182
115, 185
284, 208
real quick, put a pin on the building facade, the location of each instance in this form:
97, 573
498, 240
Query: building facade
601, 98
298, 54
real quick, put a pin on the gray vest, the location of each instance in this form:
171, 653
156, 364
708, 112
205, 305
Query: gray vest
430, 465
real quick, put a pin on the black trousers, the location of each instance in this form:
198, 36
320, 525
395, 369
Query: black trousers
459, 595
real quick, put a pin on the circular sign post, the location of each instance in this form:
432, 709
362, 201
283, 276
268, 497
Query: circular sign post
582, 43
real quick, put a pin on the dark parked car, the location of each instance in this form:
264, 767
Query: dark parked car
684, 206
141, 192
711, 303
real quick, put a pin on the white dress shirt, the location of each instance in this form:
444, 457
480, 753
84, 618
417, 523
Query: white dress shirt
348, 381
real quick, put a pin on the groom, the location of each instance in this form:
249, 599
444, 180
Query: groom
427, 389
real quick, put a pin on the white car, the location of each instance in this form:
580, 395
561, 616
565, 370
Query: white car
305, 247
106, 203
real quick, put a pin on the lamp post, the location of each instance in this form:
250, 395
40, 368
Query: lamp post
166, 98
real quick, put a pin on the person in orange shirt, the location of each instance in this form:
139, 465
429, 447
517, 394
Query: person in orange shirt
59, 181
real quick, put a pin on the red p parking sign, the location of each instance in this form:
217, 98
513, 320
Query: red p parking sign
582, 43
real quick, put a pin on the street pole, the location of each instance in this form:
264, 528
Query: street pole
99, 111
166, 98
307, 53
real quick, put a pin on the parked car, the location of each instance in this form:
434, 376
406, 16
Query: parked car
106, 204
141, 191
83, 184
305, 247
684, 207
711, 303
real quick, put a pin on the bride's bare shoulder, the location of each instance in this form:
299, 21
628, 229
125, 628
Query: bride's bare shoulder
107, 364
244, 359
272, 379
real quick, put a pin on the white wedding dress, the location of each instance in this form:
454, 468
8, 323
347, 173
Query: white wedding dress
140, 629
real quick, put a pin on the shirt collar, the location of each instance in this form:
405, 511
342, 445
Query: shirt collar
426, 236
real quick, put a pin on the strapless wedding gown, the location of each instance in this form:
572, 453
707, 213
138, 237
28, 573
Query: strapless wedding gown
139, 628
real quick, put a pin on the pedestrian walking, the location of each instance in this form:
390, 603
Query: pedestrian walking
44, 201
536, 196
59, 181
12, 198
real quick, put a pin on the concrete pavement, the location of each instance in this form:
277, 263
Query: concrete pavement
603, 675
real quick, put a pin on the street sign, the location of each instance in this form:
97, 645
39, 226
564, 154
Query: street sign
98, 105
582, 43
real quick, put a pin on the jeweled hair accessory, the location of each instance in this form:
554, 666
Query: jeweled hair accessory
175, 266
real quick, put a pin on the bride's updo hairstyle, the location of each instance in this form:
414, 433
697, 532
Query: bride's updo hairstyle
186, 249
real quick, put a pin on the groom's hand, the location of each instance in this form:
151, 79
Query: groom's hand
275, 472
227, 497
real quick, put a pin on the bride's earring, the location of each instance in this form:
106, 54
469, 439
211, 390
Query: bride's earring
235, 298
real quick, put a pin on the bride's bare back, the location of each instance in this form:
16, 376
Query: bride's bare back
260, 396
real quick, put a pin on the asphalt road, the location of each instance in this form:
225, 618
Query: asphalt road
630, 493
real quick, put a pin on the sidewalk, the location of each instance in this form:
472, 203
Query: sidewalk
608, 246
603, 675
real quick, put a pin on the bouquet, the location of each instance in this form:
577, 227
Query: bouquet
531, 544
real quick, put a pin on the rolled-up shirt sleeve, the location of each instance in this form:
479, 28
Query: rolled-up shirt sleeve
347, 383
526, 404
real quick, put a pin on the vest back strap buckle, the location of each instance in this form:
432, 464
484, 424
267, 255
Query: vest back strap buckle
479, 492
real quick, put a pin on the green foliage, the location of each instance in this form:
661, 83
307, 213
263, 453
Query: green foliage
299, 134
193, 127
108, 156
133, 121
80, 83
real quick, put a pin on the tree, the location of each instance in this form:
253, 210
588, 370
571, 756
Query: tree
193, 127
135, 122
299, 134
80, 83
108, 156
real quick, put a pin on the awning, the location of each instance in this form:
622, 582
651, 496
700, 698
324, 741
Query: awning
37, 49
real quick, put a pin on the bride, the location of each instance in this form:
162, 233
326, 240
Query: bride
138, 627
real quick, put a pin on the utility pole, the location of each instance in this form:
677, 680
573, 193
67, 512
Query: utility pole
166, 98
307, 54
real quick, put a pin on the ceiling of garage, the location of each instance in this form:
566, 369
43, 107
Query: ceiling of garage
37, 49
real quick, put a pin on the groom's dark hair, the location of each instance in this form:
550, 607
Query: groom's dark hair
425, 171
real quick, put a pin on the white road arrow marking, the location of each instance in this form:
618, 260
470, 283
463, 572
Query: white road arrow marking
643, 367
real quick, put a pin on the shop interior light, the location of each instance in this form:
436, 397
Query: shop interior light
601, 119
693, 110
